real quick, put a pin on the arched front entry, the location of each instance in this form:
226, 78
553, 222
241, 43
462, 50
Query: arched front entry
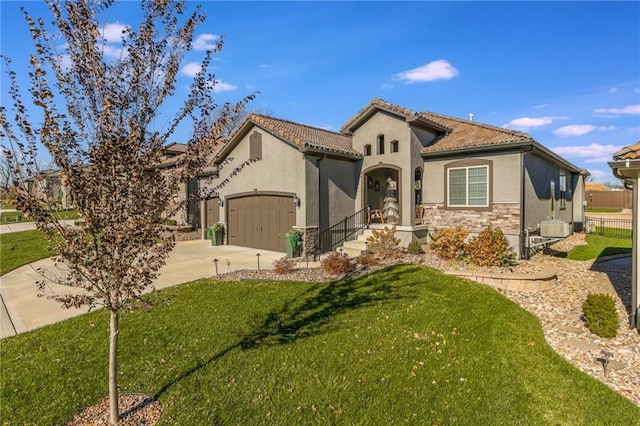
382, 191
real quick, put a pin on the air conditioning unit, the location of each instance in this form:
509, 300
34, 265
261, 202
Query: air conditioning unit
555, 228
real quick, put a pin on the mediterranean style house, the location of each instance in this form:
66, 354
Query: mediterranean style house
420, 171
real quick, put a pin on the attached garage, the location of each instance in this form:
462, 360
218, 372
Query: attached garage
260, 221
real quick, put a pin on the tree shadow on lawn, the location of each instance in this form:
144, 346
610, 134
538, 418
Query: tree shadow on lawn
312, 313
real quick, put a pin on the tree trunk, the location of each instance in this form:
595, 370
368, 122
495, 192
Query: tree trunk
114, 411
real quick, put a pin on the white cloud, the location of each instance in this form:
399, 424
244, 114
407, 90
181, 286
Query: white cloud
436, 70
113, 32
526, 123
580, 129
191, 69
387, 86
629, 109
205, 42
592, 153
613, 90
220, 86
111, 51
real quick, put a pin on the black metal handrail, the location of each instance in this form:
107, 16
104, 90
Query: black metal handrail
341, 231
621, 228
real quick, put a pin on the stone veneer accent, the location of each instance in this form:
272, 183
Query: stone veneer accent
309, 240
503, 216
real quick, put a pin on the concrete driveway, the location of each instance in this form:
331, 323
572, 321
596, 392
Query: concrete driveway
21, 310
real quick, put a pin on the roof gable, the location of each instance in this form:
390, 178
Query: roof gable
305, 138
410, 116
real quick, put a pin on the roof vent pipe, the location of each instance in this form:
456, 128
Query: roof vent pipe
470, 116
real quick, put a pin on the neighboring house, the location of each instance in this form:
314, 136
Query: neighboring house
626, 166
189, 213
445, 172
50, 185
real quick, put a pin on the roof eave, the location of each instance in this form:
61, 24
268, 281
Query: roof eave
506, 146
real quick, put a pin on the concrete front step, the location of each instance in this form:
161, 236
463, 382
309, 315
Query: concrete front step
354, 248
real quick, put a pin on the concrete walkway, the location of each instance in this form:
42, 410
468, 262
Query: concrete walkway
21, 310
27, 226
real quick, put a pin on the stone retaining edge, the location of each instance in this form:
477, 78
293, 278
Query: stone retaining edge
513, 282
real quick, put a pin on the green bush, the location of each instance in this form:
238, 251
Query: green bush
414, 247
490, 248
336, 264
600, 315
448, 243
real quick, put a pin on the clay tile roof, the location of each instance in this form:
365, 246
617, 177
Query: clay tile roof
176, 147
631, 152
306, 137
377, 104
469, 134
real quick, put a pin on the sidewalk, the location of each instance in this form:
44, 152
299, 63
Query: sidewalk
21, 310
27, 226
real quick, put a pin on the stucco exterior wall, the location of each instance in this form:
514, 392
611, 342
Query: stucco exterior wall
281, 170
538, 196
393, 128
505, 195
337, 190
505, 185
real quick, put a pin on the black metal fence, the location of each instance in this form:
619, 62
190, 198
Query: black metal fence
341, 231
621, 228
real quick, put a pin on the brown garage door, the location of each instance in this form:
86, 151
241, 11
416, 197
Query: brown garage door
260, 221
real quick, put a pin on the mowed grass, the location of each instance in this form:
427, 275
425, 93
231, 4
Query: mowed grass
21, 248
406, 344
599, 246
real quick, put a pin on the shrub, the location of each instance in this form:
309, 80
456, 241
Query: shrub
600, 315
283, 266
384, 242
366, 259
414, 247
448, 243
490, 248
336, 264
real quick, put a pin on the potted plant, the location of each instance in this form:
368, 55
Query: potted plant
216, 234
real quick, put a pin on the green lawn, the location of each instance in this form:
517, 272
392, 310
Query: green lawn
407, 344
20, 248
599, 246
11, 217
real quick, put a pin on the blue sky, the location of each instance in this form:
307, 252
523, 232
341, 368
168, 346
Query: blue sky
567, 73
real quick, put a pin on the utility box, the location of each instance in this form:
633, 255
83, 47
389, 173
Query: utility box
555, 228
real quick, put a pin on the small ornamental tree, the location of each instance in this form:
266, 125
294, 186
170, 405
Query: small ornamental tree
97, 125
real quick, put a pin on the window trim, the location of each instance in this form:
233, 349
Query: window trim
469, 164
